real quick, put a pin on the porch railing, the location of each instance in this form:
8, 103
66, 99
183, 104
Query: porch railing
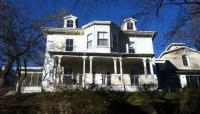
101, 79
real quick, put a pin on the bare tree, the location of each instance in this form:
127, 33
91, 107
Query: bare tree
21, 38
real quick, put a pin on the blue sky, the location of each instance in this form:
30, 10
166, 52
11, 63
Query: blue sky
116, 11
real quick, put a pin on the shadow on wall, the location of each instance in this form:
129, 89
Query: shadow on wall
168, 79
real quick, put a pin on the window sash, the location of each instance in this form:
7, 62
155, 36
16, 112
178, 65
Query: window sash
102, 42
69, 45
102, 35
70, 23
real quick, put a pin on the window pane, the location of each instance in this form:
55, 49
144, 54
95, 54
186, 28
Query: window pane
129, 26
27, 79
34, 79
69, 23
100, 35
102, 42
69, 45
105, 35
185, 60
40, 79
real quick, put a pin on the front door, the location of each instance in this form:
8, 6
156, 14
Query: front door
100, 76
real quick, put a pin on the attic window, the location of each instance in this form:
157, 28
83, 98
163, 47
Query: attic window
70, 23
129, 26
185, 60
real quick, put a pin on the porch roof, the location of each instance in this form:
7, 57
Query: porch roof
113, 54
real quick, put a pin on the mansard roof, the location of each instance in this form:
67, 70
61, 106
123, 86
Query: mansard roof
128, 19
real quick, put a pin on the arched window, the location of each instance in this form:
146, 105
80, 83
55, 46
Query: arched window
129, 26
70, 23
185, 60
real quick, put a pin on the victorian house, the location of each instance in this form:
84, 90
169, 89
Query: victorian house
98, 54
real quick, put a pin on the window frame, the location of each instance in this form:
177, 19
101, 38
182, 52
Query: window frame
89, 41
131, 46
68, 45
129, 25
30, 81
102, 39
185, 61
70, 23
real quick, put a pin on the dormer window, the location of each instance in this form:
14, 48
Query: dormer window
185, 60
129, 26
70, 23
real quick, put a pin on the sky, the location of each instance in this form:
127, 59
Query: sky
115, 11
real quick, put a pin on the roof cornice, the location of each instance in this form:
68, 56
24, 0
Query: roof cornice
66, 31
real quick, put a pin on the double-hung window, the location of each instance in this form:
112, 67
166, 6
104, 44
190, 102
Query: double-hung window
70, 23
131, 47
89, 40
102, 39
69, 45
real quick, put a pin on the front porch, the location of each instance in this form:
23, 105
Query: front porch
103, 71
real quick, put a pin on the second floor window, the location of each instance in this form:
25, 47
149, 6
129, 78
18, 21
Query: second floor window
131, 47
129, 26
185, 60
89, 40
69, 45
70, 23
102, 39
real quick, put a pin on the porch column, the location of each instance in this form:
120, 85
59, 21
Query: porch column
151, 67
121, 69
83, 78
145, 66
58, 73
115, 65
91, 69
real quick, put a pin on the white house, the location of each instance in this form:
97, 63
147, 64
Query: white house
178, 66
99, 53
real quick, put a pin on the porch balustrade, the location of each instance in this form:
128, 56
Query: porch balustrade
101, 79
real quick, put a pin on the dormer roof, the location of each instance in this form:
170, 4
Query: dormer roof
128, 19
70, 16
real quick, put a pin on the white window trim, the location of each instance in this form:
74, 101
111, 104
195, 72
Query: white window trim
100, 46
90, 34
